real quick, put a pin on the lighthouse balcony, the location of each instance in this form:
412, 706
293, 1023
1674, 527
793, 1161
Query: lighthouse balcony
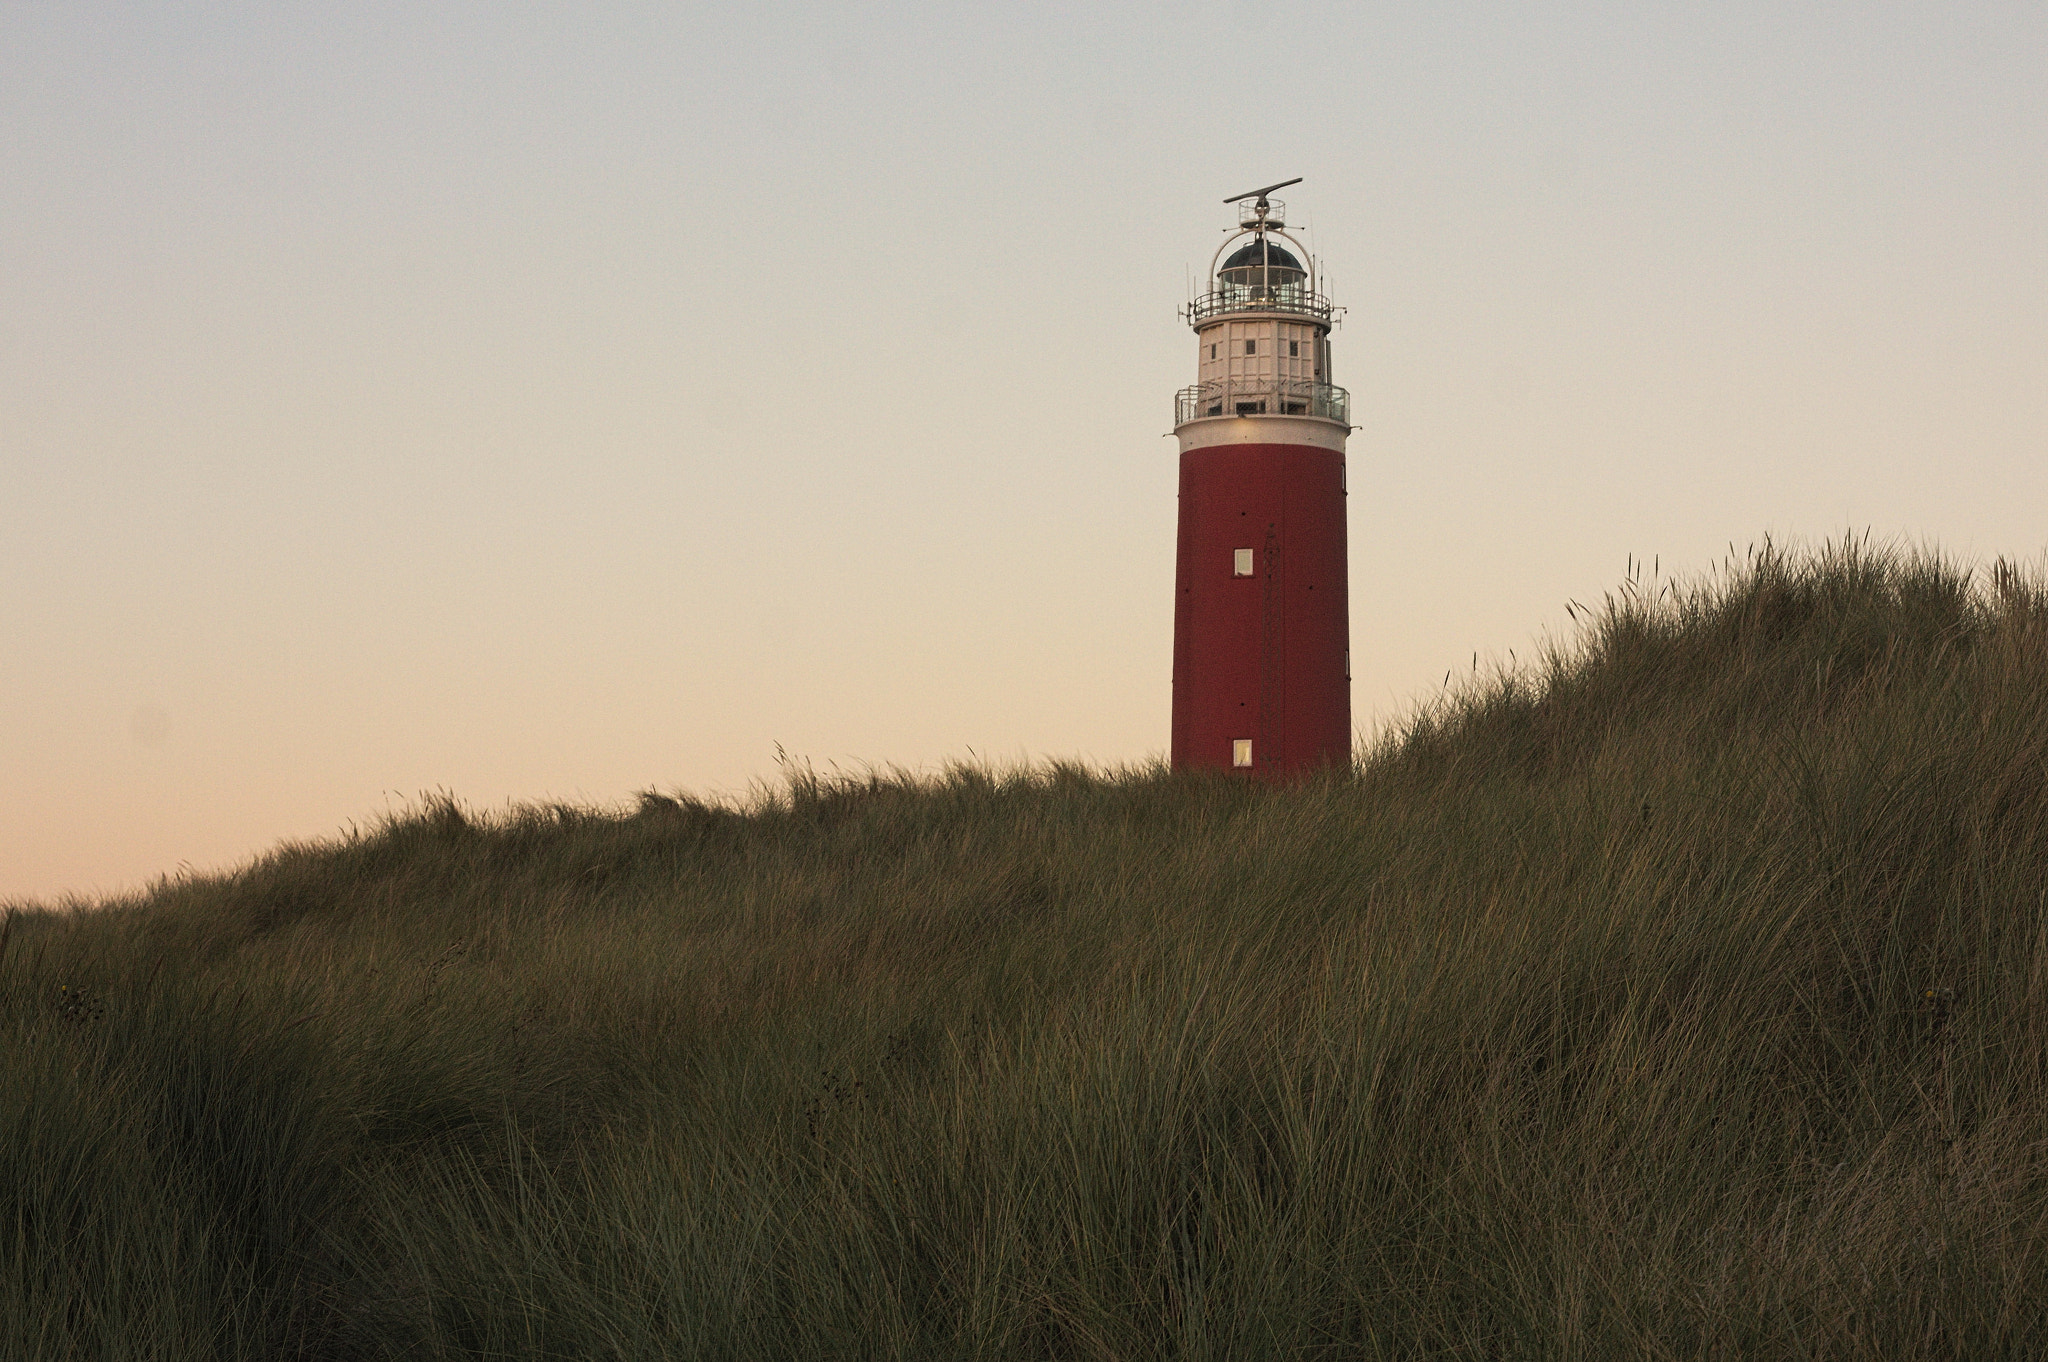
1262, 397
1237, 297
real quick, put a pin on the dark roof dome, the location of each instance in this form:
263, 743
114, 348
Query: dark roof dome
1252, 255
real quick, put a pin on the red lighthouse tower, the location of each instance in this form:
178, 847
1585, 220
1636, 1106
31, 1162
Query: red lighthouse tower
1261, 621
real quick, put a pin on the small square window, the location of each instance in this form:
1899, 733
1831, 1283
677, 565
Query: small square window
1294, 349
1240, 751
1251, 347
1241, 563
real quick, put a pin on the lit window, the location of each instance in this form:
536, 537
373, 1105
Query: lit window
1294, 349
1251, 347
1241, 563
1240, 751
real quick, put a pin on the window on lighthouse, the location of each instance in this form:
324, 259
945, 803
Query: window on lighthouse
1240, 751
1241, 563
1251, 347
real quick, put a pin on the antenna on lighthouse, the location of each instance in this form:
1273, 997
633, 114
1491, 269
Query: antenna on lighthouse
1261, 208
1260, 194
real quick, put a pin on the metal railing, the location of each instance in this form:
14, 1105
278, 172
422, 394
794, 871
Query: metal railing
1262, 397
1252, 212
1255, 298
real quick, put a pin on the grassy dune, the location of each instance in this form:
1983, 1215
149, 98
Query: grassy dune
1682, 995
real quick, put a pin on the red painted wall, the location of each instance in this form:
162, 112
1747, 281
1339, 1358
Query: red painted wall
1261, 657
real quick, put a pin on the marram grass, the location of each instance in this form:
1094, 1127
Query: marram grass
1684, 995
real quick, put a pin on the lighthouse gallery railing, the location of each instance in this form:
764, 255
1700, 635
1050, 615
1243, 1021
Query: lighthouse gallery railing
1258, 298
1262, 397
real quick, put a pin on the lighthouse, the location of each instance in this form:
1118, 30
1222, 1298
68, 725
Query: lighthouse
1261, 620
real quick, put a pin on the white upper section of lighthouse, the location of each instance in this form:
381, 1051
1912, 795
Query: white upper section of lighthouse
1262, 328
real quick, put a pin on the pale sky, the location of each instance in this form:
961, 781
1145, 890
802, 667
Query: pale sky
554, 401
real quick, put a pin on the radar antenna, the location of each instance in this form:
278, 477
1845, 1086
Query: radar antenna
1260, 194
1257, 220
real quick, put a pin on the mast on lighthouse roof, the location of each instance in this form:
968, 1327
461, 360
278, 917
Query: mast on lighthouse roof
1261, 669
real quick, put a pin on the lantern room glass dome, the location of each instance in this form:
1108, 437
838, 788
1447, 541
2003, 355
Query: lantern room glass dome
1262, 268
1260, 275
1263, 251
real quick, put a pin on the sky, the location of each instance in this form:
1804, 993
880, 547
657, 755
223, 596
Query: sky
534, 402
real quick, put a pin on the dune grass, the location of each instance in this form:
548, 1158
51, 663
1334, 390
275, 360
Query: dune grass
1680, 995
